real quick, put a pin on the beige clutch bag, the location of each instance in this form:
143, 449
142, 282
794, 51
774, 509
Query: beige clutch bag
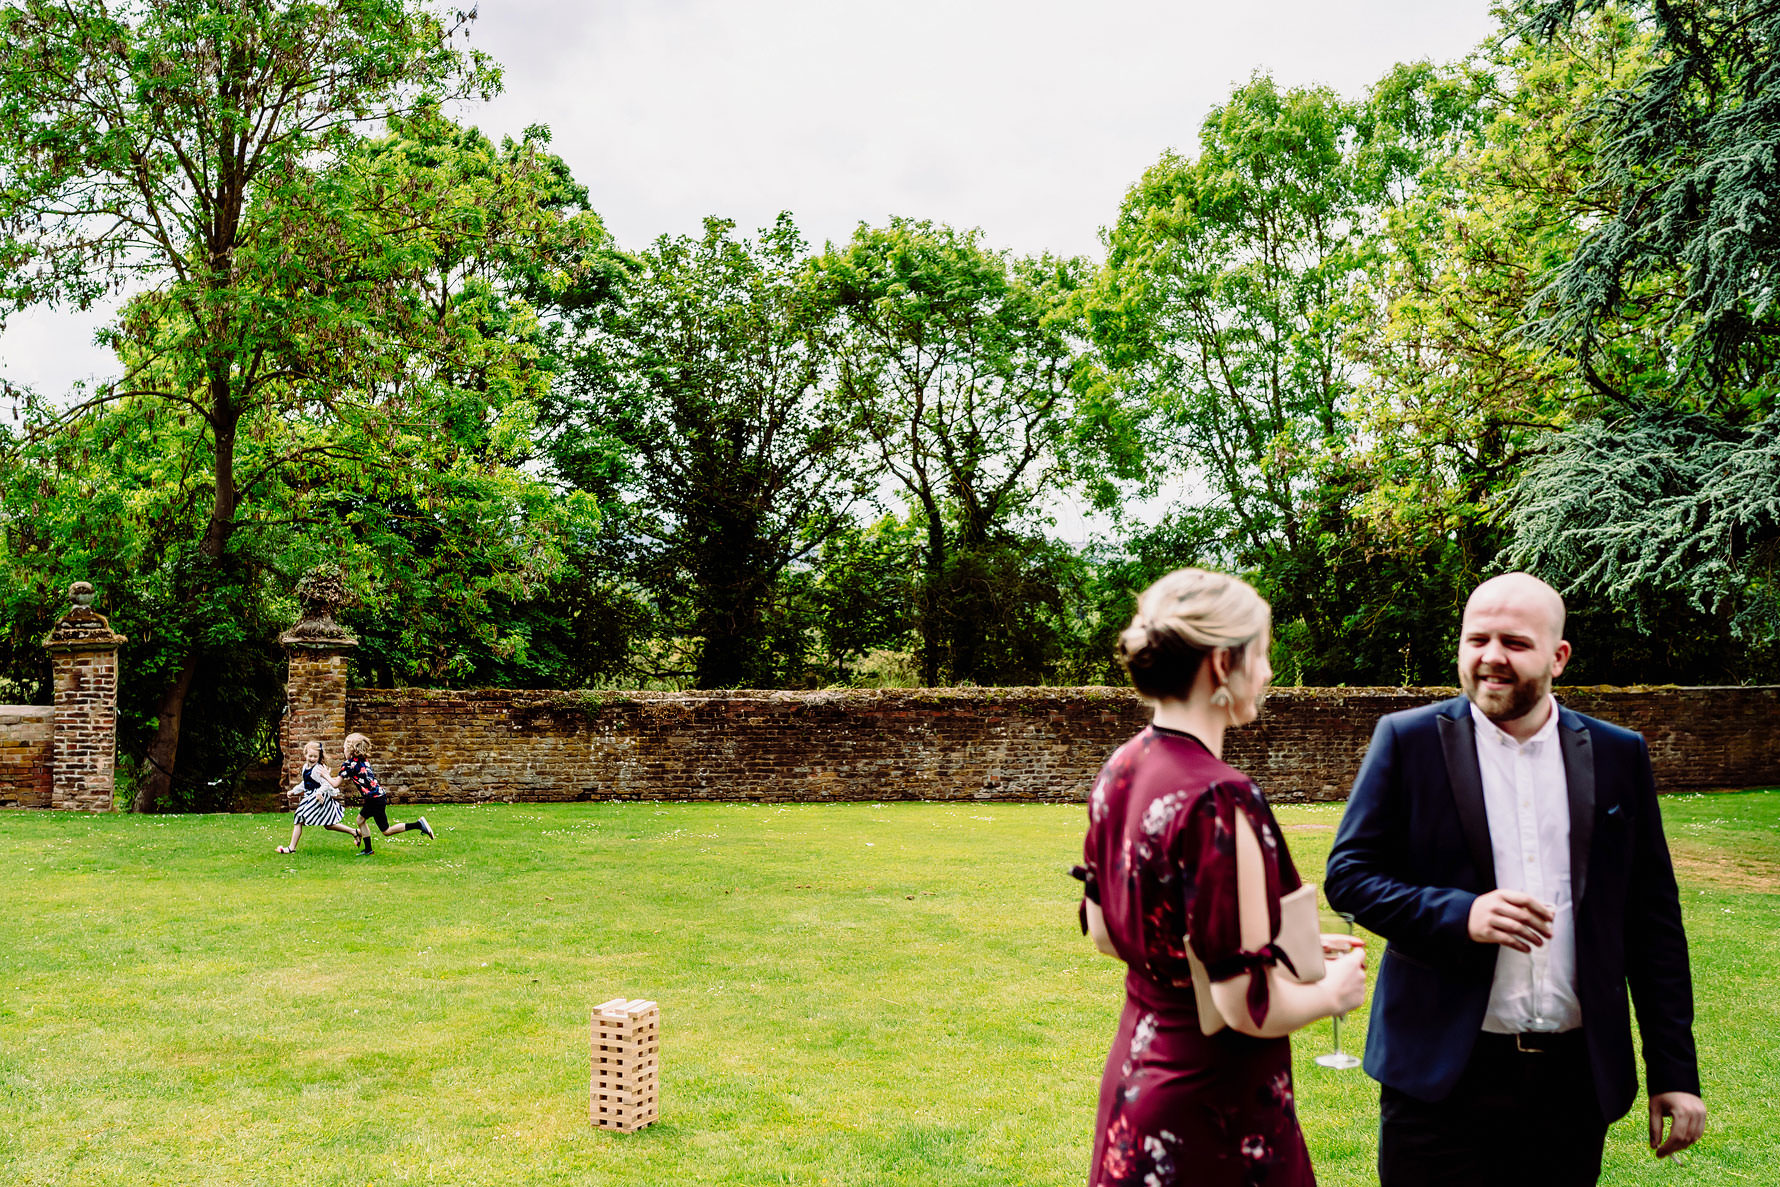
1300, 938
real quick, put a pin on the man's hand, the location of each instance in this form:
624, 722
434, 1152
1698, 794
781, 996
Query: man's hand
1511, 918
1687, 1114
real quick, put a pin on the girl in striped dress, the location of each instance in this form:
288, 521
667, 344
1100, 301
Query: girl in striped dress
321, 801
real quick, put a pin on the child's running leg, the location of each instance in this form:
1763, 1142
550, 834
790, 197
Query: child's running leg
296, 830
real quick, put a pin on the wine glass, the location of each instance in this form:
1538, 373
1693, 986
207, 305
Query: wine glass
1339, 1058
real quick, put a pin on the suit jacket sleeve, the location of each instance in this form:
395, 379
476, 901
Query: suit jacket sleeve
1370, 872
1656, 950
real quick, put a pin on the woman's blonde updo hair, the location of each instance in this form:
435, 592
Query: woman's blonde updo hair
1181, 619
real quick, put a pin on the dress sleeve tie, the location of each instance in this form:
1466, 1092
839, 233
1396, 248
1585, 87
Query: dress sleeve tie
1256, 963
1090, 893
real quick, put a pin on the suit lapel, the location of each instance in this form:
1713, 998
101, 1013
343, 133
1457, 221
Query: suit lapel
1579, 779
1458, 740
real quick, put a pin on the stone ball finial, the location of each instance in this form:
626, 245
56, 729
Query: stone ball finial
81, 595
320, 592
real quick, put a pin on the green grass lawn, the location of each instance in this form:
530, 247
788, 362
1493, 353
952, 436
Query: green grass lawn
850, 994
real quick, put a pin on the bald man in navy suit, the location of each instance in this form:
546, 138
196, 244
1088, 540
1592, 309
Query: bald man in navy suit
1511, 852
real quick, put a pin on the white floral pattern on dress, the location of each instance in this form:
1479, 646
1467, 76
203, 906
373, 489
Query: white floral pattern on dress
1142, 1035
1158, 1147
1161, 812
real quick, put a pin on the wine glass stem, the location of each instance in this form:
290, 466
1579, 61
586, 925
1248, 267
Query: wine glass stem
1336, 1019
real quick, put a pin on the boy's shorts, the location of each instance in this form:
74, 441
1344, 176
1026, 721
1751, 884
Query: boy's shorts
375, 807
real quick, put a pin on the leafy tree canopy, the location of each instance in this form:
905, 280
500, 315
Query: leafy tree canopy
1690, 161
964, 368
330, 342
707, 397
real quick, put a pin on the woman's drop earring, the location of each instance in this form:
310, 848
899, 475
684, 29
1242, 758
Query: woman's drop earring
1221, 697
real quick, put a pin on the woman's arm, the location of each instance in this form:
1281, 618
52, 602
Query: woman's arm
1291, 1004
1097, 927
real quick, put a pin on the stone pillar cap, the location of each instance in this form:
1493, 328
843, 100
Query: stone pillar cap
297, 639
82, 628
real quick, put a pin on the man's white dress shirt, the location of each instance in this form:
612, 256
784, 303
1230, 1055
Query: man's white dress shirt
1528, 804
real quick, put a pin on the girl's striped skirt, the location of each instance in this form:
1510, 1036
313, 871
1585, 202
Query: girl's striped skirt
319, 809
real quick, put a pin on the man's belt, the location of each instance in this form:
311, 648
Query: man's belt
1532, 1042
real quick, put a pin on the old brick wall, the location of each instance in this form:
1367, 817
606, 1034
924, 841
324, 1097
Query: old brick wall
1699, 737
26, 734
902, 744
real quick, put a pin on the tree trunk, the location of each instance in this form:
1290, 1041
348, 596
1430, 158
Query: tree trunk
164, 750
932, 581
967, 598
730, 590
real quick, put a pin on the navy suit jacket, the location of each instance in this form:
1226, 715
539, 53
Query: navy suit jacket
1413, 853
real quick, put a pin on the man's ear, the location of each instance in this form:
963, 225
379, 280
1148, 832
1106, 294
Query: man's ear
1560, 658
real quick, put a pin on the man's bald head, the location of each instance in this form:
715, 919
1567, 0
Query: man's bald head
1511, 647
1525, 593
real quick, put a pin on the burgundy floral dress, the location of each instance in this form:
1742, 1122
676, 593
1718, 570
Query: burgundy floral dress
1178, 1106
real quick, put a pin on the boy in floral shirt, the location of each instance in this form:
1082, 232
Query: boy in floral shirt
375, 805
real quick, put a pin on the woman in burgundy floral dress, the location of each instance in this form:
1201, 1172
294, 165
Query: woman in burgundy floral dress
1166, 821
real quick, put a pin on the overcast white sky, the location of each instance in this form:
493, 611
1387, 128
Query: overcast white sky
1027, 118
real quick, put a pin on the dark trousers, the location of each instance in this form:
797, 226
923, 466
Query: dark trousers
1520, 1118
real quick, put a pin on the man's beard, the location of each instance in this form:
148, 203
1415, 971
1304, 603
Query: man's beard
1523, 696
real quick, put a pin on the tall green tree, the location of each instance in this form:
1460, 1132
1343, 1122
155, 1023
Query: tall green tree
963, 367
1480, 172
715, 377
1690, 161
284, 328
1289, 302
1655, 510
1670, 520
1224, 303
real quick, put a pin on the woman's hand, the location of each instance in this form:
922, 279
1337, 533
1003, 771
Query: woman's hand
1337, 944
1346, 979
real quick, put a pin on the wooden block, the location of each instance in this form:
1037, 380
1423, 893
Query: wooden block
627, 1112
626, 1063
626, 1073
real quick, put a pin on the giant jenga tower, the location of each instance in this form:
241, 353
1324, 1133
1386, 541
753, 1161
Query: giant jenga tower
626, 1065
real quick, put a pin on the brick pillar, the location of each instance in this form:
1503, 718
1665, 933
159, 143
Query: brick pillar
83, 663
315, 690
